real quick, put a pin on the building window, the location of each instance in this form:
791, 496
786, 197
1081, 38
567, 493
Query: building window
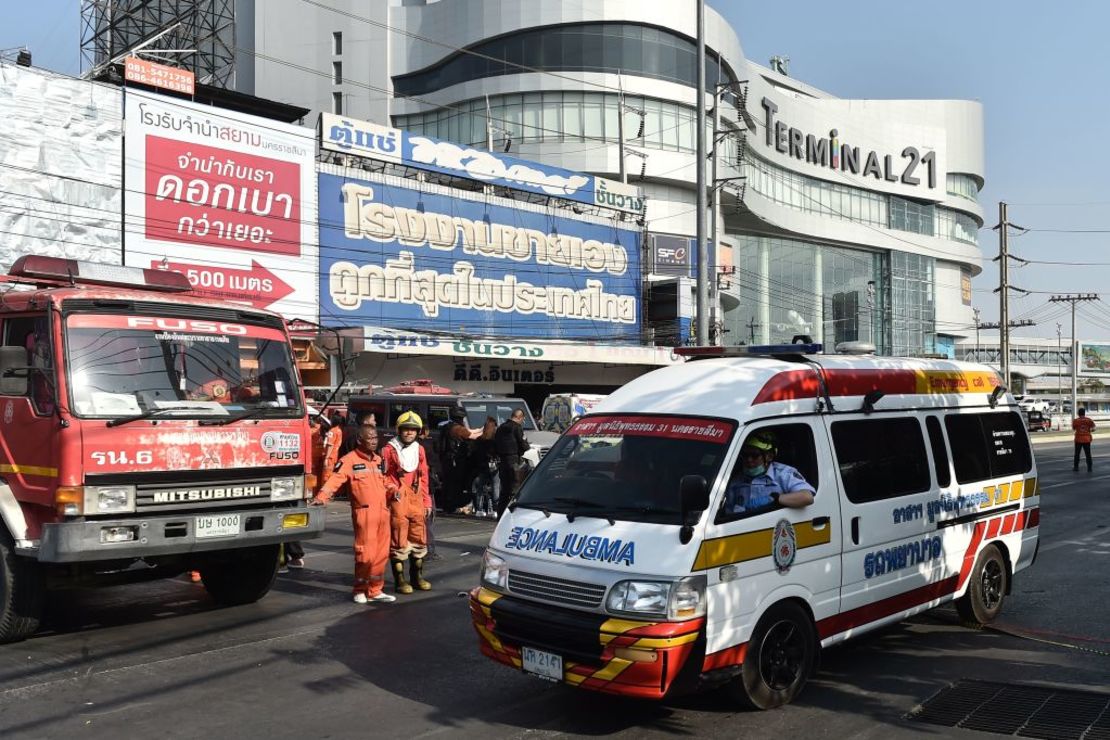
337, 73
630, 48
337, 43
908, 215
962, 186
337, 103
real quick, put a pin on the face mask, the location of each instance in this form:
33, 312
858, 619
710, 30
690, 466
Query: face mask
756, 471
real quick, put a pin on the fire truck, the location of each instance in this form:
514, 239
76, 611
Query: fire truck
144, 432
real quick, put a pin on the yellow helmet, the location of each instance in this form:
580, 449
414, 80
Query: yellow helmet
409, 420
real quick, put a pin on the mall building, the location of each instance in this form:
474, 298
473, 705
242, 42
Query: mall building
841, 219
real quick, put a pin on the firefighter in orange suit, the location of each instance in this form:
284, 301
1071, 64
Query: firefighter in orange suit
371, 491
406, 468
333, 443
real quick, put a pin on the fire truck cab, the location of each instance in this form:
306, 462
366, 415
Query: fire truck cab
143, 432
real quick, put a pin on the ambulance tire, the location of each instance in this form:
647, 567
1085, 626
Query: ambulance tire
781, 656
986, 589
241, 576
21, 594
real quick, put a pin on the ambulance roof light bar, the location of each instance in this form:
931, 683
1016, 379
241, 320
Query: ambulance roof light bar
751, 350
33, 268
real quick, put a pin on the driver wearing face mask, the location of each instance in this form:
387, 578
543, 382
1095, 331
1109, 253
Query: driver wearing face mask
764, 483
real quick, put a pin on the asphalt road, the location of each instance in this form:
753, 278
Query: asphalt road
160, 660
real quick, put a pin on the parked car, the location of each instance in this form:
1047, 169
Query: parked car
1036, 421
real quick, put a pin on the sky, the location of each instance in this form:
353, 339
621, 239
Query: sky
1039, 69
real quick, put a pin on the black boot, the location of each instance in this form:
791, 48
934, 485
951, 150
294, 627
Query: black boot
417, 574
400, 585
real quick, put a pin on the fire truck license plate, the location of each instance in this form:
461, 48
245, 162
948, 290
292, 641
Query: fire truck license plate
219, 525
539, 663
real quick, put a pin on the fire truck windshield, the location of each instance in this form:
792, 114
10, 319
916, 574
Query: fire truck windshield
123, 366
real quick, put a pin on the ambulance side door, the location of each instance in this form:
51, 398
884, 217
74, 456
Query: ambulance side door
892, 551
744, 572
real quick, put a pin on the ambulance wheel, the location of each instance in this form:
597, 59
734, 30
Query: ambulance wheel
780, 658
986, 591
241, 576
21, 594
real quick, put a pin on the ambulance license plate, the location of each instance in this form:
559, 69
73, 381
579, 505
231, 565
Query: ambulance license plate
545, 665
216, 525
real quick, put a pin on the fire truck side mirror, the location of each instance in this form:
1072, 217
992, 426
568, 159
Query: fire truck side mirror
13, 371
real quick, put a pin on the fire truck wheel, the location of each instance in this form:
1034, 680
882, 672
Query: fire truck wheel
21, 594
986, 589
780, 658
241, 576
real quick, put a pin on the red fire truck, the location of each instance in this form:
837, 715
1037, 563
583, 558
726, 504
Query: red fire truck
143, 432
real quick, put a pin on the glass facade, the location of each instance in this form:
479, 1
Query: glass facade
629, 48
564, 117
849, 203
963, 186
912, 325
788, 287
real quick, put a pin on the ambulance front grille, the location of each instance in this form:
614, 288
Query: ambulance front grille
556, 590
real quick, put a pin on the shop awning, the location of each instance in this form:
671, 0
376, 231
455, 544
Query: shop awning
394, 341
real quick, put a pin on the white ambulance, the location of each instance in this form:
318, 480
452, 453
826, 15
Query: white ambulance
625, 566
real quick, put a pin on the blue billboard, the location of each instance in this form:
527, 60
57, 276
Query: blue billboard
365, 139
394, 256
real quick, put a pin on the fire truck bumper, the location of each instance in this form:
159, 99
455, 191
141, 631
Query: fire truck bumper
148, 536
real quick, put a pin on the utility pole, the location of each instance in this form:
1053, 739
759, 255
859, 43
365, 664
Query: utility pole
1004, 291
1074, 298
620, 127
752, 326
1004, 294
699, 164
715, 207
1059, 370
976, 312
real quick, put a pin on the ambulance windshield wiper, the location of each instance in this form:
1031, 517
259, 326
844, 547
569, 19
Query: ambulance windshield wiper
581, 502
151, 413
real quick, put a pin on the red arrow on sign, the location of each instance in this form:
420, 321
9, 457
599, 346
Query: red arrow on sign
257, 286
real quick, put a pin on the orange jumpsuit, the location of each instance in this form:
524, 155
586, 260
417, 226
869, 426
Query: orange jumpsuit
333, 443
408, 535
316, 444
370, 492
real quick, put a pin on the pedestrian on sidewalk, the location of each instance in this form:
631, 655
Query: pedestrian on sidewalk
1083, 427
370, 491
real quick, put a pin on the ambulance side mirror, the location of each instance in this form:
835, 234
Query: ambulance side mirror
14, 372
693, 492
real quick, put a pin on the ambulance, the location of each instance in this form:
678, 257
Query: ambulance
619, 567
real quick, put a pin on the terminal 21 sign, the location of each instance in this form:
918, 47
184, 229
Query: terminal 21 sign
394, 256
365, 139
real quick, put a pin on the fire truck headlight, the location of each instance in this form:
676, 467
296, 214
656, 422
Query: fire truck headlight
495, 571
648, 598
109, 499
287, 489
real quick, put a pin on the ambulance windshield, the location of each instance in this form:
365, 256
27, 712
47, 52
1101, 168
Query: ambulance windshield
122, 366
627, 466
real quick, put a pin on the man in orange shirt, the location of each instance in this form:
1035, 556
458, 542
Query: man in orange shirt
371, 491
1083, 428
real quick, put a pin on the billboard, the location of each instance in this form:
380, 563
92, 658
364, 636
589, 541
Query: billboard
228, 199
1094, 359
365, 139
394, 256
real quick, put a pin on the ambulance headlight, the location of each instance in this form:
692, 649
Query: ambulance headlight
495, 572
287, 489
647, 598
687, 598
682, 599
